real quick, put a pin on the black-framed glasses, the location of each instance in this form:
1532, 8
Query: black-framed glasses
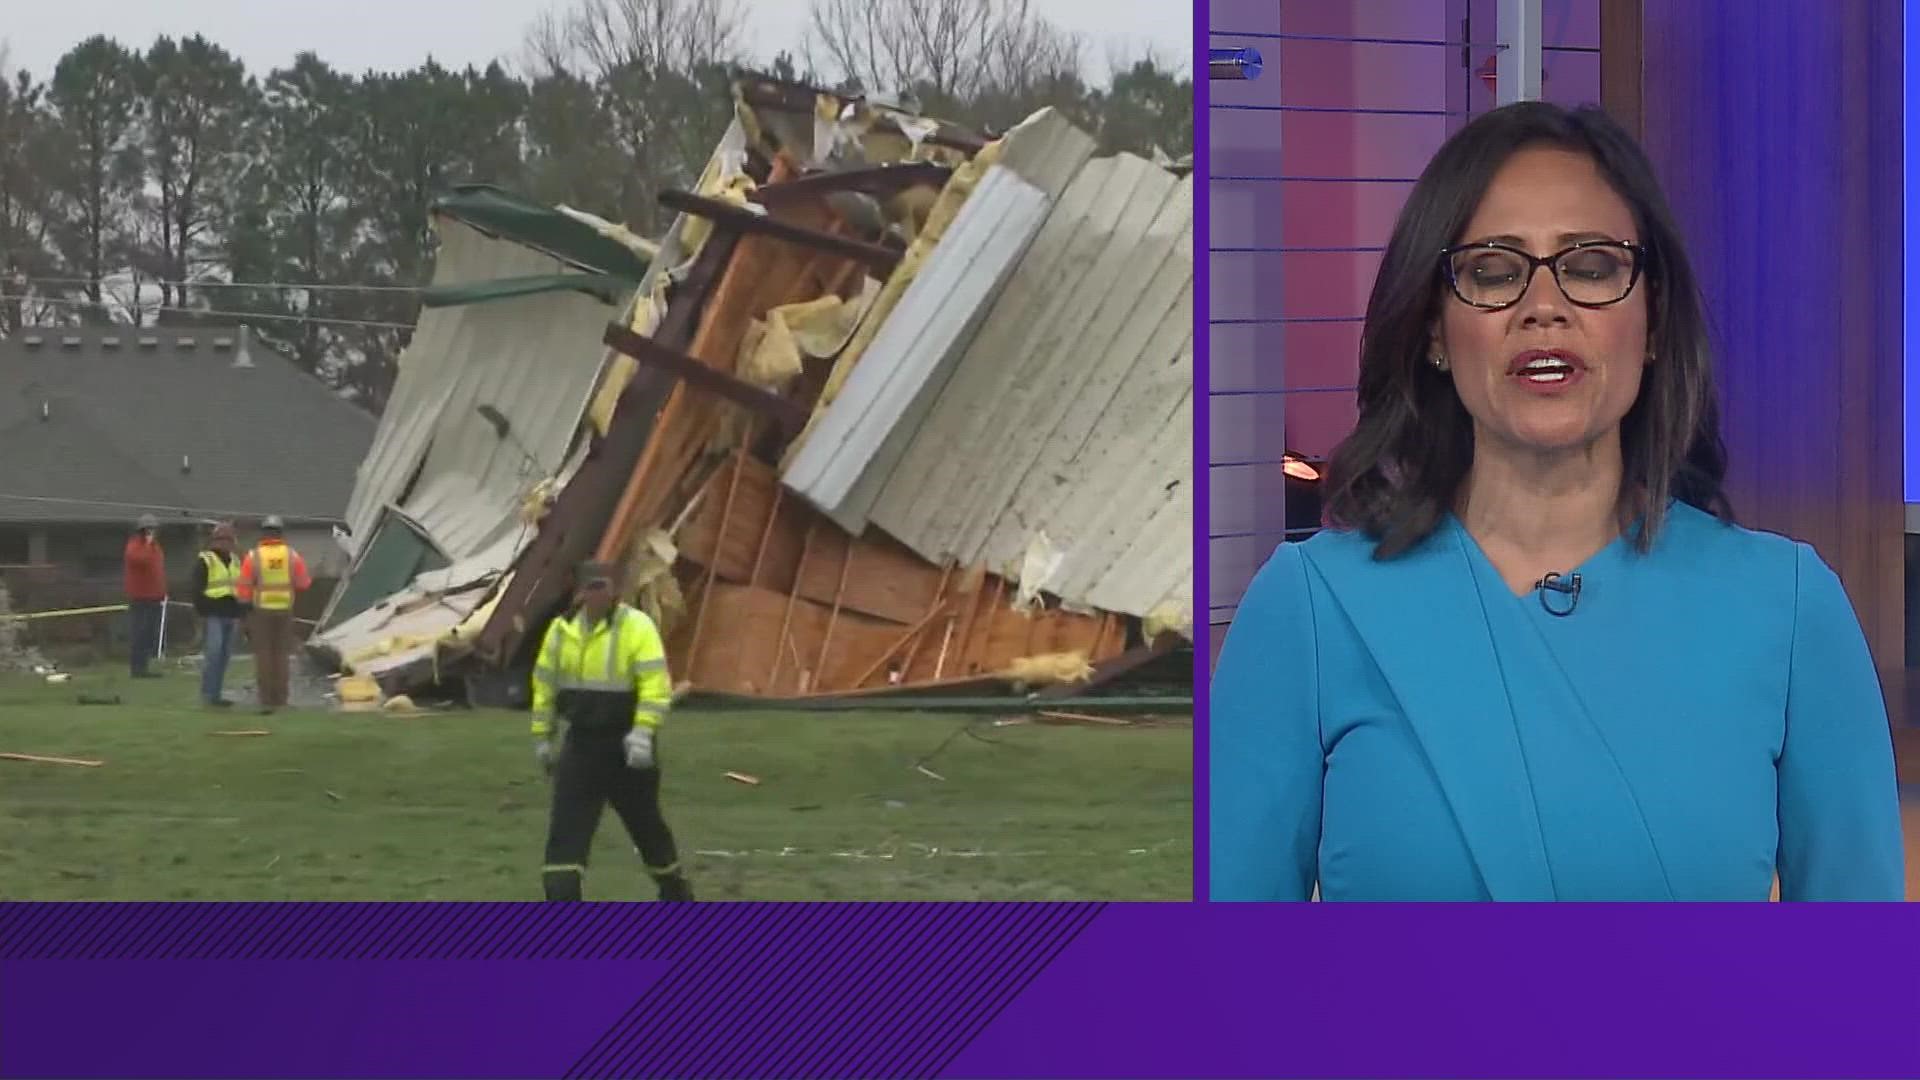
1593, 274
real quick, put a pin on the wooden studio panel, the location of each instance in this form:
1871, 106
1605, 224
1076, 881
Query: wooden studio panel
1779, 142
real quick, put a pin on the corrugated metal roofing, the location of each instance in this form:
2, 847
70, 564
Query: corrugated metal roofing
435, 601
1070, 414
858, 440
911, 355
535, 359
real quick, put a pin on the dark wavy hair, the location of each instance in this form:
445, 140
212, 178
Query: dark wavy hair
1399, 472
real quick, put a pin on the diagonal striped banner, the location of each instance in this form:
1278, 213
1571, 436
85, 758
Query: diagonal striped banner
719, 990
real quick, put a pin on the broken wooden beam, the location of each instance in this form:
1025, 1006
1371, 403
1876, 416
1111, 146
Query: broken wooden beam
726, 215
543, 575
651, 353
881, 181
1083, 718
37, 759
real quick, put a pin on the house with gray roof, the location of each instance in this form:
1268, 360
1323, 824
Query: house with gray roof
99, 425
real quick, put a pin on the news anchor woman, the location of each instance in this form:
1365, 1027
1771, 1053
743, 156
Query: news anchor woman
1532, 658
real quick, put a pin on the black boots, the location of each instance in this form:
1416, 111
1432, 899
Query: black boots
564, 885
674, 888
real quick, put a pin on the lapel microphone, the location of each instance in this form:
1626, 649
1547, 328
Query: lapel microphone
1568, 587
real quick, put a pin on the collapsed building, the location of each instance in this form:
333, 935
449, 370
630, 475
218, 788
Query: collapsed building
891, 407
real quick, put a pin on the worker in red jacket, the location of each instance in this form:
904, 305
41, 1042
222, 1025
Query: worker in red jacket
146, 590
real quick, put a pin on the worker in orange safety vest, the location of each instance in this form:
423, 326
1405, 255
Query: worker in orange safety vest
272, 576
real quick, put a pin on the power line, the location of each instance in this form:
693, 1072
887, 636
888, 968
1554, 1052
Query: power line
82, 302
162, 508
105, 282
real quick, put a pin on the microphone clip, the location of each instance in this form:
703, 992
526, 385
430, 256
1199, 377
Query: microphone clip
1567, 586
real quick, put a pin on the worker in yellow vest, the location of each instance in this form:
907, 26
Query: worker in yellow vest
604, 671
272, 576
217, 602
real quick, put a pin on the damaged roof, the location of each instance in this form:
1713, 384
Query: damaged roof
1064, 441
532, 360
857, 441
578, 239
1032, 412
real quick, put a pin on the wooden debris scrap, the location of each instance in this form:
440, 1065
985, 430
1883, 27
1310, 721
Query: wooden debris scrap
241, 734
40, 760
1085, 718
743, 778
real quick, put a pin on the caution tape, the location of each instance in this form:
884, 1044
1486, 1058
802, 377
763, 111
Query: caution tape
104, 609
29, 616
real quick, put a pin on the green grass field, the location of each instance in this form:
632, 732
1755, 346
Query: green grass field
451, 806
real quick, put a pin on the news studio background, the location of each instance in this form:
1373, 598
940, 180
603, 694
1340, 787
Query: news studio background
1774, 128
1778, 130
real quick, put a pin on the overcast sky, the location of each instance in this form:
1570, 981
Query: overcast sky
357, 35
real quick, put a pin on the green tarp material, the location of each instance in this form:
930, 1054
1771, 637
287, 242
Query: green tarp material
511, 217
607, 288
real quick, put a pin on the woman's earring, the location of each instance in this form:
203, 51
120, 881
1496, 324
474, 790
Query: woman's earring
1440, 363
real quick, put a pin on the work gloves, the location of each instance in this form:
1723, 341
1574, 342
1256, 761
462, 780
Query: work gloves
639, 747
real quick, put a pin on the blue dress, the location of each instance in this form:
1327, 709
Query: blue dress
1707, 715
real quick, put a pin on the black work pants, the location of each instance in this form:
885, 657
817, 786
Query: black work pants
143, 634
592, 772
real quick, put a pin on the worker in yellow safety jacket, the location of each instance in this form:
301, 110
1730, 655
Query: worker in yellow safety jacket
216, 600
604, 671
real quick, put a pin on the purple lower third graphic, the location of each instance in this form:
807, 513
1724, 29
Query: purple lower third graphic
955, 990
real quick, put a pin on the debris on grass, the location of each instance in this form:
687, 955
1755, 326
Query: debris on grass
357, 693
1084, 718
241, 734
335, 796
743, 778
273, 862
922, 769
37, 759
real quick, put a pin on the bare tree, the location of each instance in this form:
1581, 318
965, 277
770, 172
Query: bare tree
546, 52
597, 37
952, 51
659, 68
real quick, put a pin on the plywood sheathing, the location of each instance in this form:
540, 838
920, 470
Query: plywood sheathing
789, 604
885, 581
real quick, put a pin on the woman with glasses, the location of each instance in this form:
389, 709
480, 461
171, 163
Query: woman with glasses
1532, 657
